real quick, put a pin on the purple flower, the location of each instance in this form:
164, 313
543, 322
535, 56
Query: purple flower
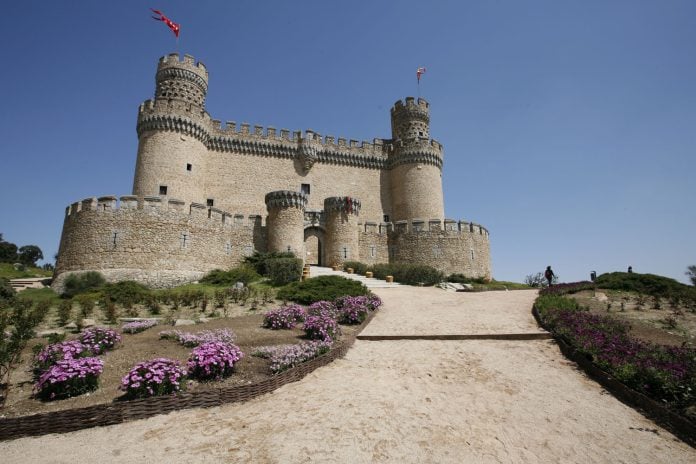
99, 339
285, 317
321, 328
152, 378
69, 377
284, 357
213, 360
194, 339
138, 326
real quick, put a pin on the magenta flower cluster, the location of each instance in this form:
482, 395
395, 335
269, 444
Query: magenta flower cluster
51, 354
353, 309
284, 357
213, 360
69, 377
323, 308
285, 317
190, 339
156, 377
99, 339
321, 327
138, 326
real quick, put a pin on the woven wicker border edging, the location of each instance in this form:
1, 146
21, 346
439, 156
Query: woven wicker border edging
678, 425
70, 420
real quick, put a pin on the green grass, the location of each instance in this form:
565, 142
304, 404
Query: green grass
37, 295
8, 271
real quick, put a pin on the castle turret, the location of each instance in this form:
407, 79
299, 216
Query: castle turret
286, 221
173, 131
416, 173
341, 229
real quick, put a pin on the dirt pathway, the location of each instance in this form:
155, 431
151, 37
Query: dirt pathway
401, 401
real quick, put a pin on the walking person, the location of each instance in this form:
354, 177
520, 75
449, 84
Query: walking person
549, 275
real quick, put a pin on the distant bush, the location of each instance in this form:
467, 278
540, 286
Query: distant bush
7, 293
282, 271
244, 273
82, 283
126, 293
649, 284
358, 267
462, 279
258, 260
320, 288
410, 274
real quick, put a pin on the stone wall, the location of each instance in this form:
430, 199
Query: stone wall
157, 241
451, 247
373, 243
341, 230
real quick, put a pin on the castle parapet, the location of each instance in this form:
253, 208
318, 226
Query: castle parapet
286, 199
348, 205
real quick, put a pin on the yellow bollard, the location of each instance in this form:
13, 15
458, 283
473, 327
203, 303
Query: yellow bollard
368, 274
390, 279
350, 270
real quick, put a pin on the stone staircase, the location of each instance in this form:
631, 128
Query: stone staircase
369, 282
28, 282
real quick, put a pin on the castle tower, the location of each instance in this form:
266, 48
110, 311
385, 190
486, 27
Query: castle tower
172, 132
341, 229
286, 221
416, 174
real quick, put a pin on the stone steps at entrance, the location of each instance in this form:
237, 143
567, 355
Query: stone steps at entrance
315, 271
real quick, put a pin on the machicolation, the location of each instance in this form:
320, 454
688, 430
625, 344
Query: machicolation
207, 194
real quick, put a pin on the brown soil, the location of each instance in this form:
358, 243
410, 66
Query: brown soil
667, 325
148, 345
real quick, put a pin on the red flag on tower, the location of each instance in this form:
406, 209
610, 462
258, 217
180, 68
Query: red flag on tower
175, 27
419, 72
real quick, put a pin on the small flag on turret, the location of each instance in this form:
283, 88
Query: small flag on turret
419, 72
171, 24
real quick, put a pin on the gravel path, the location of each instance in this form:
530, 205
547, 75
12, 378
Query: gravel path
412, 401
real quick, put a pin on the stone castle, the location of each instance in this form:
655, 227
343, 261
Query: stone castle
205, 195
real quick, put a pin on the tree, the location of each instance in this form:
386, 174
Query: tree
8, 251
29, 255
691, 272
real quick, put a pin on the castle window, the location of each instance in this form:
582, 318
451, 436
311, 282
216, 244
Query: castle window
163, 190
305, 189
184, 240
386, 218
189, 166
248, 250
472, 254
228, 248
210, 202
373, 251
114, 238
345, 252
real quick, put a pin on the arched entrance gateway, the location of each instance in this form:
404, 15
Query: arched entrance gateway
314, 246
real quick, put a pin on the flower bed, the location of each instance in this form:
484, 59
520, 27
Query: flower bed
213, 360
323, 308
284, 357
285, 317
69, 377
99, 339
138, 326
156, 377
190, 339
665, 373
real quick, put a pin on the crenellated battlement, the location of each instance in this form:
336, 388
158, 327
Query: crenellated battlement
283, 199
174, 60
158, 205
348, 205
438, 226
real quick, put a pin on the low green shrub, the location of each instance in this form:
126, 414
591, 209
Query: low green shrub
462, 279
322, 288
82, 283
244, 273
7, 293
649, 284
282, 271
126, 293
410, 274
358, 267
258, 260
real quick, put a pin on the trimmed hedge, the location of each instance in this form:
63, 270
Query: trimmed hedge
322, 288
410, 274
357, 266
282, 271
82, 283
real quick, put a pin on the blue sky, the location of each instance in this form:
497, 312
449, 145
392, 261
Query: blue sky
569, 126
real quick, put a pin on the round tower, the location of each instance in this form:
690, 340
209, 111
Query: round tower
416, 163
341, 229
285, 222
173, 132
